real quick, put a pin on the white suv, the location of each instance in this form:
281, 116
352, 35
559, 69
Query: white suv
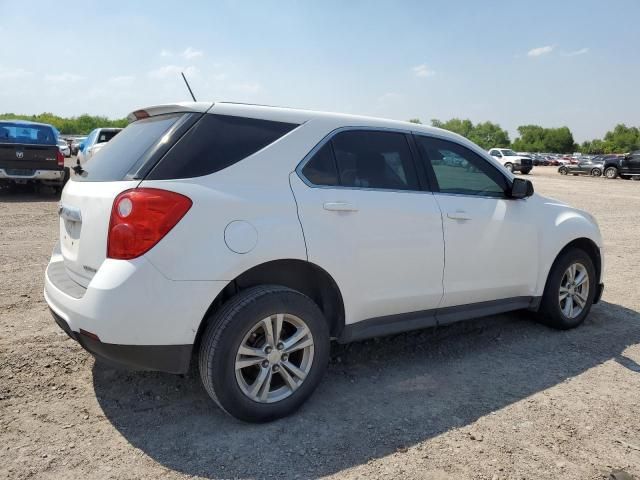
250, 236
512, 161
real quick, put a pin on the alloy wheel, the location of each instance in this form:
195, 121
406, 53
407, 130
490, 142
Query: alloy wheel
574, 290
274, 358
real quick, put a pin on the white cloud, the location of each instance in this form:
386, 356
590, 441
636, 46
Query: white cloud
172, 70
582, 51
121, 80
537, 52
12, 73
190, 53
422, 71
247, 88
166, 53
65, 77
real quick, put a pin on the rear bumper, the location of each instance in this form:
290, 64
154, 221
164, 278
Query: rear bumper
34, 175
163, 358
133, 315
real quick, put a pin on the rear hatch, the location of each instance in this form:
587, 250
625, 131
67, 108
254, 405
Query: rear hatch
86, 202
26, 147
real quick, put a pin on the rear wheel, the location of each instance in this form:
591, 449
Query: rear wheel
611, 172
563, 171
264, 353
570, 290
596, 172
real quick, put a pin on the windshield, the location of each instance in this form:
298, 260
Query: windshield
508, 153
11, 132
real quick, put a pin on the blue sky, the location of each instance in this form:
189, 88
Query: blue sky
553, 63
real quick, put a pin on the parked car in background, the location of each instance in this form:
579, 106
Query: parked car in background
94, 142
593, 167
623, 166
249, 236
64, 147
511, 160
29, 153
75, 145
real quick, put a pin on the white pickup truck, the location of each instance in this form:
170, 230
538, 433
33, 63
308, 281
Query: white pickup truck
511, 160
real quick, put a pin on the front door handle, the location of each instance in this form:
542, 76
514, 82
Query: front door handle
339, 207
459, 215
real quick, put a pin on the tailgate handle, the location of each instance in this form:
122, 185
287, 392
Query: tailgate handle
69, 213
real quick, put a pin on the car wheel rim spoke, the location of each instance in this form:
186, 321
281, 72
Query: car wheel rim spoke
574, 290
274, 358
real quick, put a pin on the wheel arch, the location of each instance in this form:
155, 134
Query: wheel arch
301, 275
588, 246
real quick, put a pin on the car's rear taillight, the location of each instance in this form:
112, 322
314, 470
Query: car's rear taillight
140, 218
60, 158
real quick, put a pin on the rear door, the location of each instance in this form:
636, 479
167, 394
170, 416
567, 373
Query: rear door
367, 222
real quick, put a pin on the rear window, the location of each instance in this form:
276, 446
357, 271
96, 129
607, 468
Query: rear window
27, 134
217, 142
119, 156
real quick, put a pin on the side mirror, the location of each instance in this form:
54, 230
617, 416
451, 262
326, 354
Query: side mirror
81, 146
521, 188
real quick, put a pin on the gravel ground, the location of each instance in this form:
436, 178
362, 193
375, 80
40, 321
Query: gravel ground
499, 397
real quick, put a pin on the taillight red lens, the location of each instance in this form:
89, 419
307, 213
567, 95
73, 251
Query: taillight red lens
60, 158
140, 218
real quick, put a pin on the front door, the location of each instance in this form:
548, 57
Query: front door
491, 242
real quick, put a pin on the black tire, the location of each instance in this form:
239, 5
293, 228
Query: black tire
563, 171
509, 167
226, 330
611, 173
525, 172
65, 178
596, 172
550, 312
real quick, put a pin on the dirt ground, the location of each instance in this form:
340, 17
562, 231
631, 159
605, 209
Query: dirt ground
496, 398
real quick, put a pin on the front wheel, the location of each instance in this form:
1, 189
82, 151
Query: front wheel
563, 171
611, 172
570, 290
264, 353
509, 166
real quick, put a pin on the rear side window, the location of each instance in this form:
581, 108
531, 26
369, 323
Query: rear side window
217, 142
364, 159
120, 155
27, 134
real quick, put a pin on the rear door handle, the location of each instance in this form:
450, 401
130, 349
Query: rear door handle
339, 207
459, 215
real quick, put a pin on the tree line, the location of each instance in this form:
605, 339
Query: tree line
81, 125
534, 138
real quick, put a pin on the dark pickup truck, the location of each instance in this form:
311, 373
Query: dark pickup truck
29, 153
623, 166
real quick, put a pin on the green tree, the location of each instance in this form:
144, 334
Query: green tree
534, 138
486, 134
415, 120
70, 125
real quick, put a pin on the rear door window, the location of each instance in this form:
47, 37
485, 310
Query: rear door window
364, 159
217, 142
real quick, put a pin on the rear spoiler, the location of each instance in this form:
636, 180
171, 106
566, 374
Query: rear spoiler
180, 107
